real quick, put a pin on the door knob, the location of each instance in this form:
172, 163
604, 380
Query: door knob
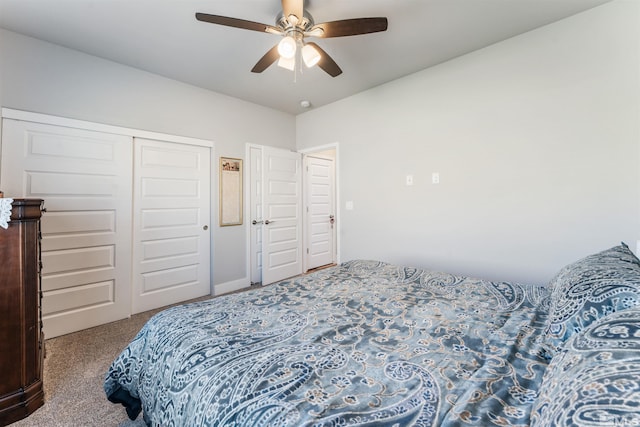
268, 222
254, 222
206, 227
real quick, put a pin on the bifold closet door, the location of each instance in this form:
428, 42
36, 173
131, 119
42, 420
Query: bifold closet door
171, 229
85, 179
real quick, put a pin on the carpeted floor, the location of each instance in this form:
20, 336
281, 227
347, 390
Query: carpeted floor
74, 370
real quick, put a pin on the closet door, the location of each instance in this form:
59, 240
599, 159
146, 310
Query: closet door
171, 215
84, 178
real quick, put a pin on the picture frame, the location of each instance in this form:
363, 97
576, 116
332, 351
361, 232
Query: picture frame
230, 191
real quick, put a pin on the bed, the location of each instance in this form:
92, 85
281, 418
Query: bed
368, 343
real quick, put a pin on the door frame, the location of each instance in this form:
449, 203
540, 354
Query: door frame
305, 216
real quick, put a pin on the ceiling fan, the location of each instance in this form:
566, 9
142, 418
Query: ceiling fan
294, 23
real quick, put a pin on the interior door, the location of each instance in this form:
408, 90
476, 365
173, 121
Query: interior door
171, 230
84, 178
282, 209
320, 208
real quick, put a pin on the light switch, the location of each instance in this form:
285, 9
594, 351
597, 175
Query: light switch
349, 205
409, 179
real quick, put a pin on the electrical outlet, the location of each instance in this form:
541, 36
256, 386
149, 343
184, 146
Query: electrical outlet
435, 178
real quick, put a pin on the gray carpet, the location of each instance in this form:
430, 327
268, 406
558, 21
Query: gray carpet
74, 370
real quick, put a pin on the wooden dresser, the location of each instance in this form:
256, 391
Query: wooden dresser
21, 338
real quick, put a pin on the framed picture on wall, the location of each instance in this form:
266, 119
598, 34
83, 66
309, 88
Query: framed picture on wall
230, 191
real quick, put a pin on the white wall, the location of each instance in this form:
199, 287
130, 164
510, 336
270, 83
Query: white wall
45, 78
536, 140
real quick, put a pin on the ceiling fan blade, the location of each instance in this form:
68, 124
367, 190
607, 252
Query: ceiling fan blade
268, 59
293, 7
326, 62
237, 23
351, 27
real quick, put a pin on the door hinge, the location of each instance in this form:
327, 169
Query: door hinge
307, 251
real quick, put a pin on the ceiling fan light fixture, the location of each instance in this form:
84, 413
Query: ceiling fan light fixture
287, 47
310, 55
288, 63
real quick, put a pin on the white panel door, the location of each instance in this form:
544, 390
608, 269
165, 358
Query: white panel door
171, 230
320, 184
84, 178
255, 213
282, 204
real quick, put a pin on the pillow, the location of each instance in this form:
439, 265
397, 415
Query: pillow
589, 289
595, 378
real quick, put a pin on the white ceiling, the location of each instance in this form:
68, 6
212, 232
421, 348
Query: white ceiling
163, 37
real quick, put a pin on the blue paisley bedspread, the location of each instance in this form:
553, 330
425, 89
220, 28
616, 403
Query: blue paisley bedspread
361, 344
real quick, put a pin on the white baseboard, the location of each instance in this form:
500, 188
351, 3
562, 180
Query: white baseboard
234, 285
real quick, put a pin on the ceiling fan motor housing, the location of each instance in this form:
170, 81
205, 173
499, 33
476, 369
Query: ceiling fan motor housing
300, 25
